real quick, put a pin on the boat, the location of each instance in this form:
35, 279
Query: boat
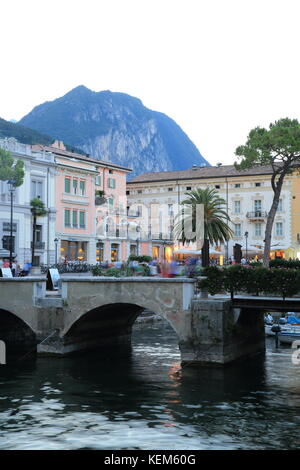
289, 331
289, 336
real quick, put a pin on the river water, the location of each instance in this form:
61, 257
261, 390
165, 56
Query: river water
141, 398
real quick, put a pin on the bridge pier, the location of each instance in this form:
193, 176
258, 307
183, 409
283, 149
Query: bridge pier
221, 334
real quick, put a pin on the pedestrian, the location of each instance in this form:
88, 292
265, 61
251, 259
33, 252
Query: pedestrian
14, 268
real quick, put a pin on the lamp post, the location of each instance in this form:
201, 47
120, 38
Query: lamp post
11, 187
56, 242
246, 237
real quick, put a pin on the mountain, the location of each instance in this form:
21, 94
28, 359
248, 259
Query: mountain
116, 127
28, 136
23, 134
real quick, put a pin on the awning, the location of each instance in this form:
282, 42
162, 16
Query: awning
196, 252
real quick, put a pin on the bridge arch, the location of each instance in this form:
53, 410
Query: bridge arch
108, 323
16, 333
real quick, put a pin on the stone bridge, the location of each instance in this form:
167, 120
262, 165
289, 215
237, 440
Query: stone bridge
89, 312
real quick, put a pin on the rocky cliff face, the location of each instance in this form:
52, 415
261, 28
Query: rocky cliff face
118, 128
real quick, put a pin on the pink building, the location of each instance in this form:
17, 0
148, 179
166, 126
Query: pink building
91, 207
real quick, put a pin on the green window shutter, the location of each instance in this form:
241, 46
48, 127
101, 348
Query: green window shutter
67, 218
112, 183
74, 221
82, 219
75, 186
67, 185
82, 188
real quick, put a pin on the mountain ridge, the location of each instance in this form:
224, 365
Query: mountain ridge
116, 127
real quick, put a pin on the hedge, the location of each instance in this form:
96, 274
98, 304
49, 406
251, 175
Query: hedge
285, 263
251, 280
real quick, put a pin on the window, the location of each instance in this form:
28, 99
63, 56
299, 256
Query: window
170, 210
98, 180
67, 185
82, 187
280, 207
237, 230
100, 251
110, 172
111, 183
6, 227
237, 207
279, 229
170, 189
189, 188
127, 193
237, 185
38, 233
217, 186
74, 219
67, 218
6, 243
114, 252
75, 186
82, 219
257, 184
257, 207
139, 191
110, 203
36, 189
257, 229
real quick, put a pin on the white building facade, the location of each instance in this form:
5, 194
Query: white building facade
248, 197
39, 181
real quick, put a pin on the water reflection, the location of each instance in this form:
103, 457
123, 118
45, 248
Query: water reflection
141, 398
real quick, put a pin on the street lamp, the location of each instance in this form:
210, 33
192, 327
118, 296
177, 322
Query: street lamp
246, 236
56, 242
11, 187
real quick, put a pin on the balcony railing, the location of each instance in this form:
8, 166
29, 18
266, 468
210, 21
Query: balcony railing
257, 215
162, 236
39, 245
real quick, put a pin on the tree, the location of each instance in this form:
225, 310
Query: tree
11, 170
279, 147
215, 220
38, 209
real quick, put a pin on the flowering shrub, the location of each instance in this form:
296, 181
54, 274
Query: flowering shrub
251, 280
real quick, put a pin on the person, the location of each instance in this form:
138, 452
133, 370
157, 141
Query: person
243, 261
6, 263
269, 319
26, 268
14, 268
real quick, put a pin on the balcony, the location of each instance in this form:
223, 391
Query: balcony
162, 236
39, 245
257, 215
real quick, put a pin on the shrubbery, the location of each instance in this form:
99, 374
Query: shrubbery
251, 280
285, 263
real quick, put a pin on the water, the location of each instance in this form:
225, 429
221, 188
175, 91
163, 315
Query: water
142, 399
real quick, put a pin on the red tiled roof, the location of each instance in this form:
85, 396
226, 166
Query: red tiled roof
201, 173
66, 153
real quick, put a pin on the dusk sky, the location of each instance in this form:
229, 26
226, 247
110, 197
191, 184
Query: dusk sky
218, 68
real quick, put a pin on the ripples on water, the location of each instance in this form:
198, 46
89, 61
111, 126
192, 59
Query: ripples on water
142, 399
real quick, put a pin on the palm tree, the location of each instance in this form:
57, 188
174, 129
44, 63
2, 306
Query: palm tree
38, 209
214, 227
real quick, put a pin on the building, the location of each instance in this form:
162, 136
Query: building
90, 200
248, 197
39, 181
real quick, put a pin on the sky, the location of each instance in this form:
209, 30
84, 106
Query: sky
218, 68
